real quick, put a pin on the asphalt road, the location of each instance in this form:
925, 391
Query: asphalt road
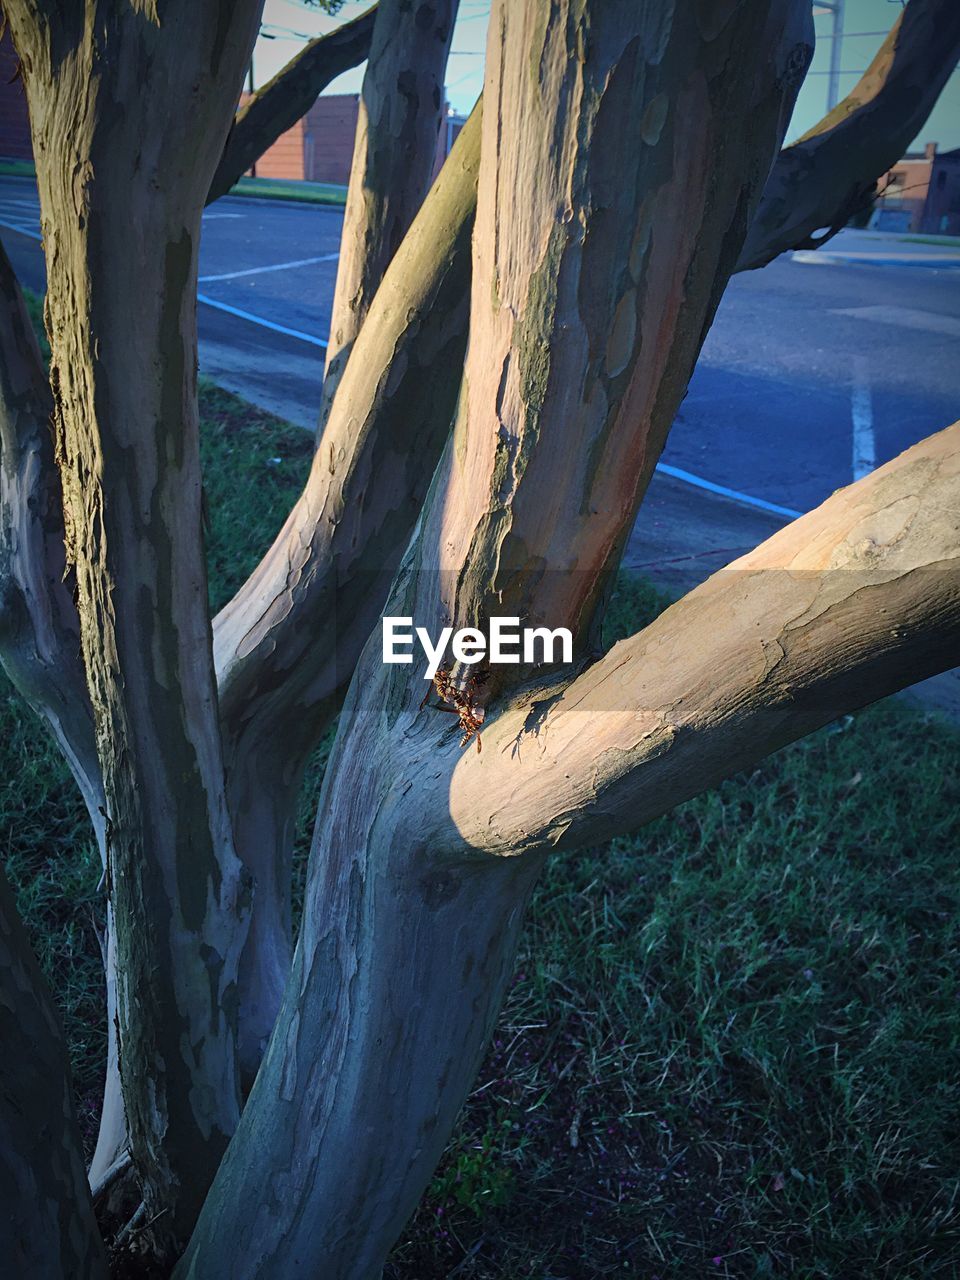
817, 368
814, 370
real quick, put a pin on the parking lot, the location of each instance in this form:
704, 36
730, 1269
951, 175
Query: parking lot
816, 369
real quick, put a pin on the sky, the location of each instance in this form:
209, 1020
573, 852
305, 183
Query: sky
866, 22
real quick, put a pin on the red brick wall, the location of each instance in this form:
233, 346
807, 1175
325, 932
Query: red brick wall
14, 121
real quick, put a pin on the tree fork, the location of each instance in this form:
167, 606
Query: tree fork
406, 942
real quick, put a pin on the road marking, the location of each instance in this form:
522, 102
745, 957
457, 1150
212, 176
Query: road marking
746, 499
277, 266
861, 411
904, 317
830, 258
24, 231
264, 324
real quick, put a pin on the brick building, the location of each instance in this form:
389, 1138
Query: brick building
921, 193
319, 147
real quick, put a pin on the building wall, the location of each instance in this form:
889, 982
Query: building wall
330, 128
921, 193
941, 214
14, 121
320, 147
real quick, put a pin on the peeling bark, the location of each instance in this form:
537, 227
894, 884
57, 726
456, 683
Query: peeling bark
401, 108
831, 172
407, 940
280, 103
47, 1228
124, 383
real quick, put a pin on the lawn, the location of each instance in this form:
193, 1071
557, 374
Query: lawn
732, 1043
291, 189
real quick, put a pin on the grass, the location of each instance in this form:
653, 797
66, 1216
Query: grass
289, 189
952, 241
731, 1047
10, 168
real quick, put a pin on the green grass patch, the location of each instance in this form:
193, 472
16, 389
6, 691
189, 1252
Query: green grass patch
732, 1042
12, 168
952, 241
281, 189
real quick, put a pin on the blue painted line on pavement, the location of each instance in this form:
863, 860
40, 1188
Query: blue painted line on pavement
677, 473
264, 324
747, 499
24, 231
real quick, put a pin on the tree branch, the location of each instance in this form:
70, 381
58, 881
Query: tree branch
830, 173
39, 626
287, 644
288, 96
853, 601
401, 108
47, 1226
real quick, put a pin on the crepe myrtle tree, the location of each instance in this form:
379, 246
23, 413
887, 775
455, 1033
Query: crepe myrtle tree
580, 235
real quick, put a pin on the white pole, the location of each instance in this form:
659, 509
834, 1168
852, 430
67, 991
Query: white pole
836, 51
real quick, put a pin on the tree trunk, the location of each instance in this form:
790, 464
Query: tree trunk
39, 626
47, 1228
409, 932
401, 108
121, 268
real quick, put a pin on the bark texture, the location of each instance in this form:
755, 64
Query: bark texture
401, 108
288, 96
852, 602
287, 645
407, 941
47, 1228
831, 172
124, 384
39, 625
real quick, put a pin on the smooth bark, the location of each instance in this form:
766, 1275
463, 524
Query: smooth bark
407, 941
280, 103
857, 599
401, 109
47, 1228
831, 172
124, 386
287, 645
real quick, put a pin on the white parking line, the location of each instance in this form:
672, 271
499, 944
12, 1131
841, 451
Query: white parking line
277, 266
263, 323
861, 411
904, 318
